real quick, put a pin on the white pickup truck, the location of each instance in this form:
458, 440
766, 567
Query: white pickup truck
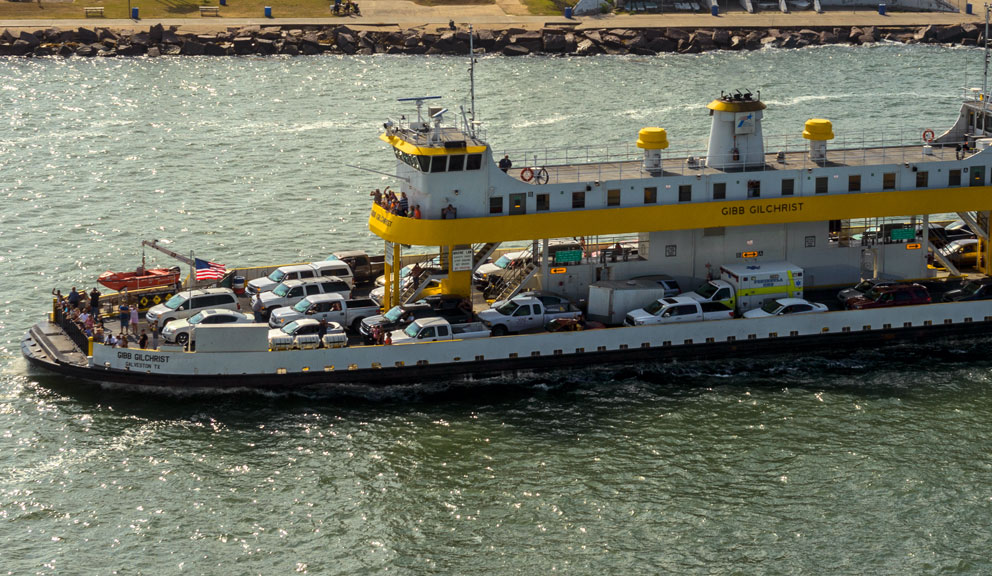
677, 309
436, 329
331, 307
526, 313
305, 334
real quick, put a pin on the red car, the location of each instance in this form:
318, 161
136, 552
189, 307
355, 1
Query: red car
894, 295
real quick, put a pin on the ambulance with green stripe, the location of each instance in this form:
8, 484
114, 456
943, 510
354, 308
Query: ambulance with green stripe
744, 287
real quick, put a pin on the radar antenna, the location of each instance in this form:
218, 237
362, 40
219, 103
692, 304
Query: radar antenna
420, 104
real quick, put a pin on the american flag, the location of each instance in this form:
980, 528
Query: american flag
209, 270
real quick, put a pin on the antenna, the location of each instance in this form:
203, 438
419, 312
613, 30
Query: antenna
471, 77
985, 75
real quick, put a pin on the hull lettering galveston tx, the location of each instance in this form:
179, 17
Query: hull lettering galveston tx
495, 265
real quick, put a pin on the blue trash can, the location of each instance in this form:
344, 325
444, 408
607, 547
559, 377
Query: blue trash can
715, 10
268, 11
223, 2
881, 9
968, 9
134, 13
568, 12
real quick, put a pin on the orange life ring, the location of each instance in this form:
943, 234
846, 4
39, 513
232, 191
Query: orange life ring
526, 174
928, 135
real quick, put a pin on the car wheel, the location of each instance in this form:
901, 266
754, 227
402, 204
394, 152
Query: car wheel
500, 330
182, 339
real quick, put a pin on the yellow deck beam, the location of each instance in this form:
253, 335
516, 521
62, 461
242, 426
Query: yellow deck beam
677, 216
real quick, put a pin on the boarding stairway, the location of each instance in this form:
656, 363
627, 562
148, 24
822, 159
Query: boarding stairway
483, 253
977, 222
512, 282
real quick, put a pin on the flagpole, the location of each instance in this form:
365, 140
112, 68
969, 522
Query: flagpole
192, 269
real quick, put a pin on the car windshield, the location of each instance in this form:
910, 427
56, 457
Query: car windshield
502, 262
771, 307
302, 306
508, 309
196, 319
281, 290
412, 330
393, 314
654, 307
175, 302
290, 328
277, 275
707, 290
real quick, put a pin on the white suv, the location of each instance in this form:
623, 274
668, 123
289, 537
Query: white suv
292, 291
320, 269
185, 304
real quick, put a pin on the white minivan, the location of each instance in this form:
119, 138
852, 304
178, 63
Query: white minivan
320, 269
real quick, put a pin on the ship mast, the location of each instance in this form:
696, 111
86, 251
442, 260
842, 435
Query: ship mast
985, 75
471, 72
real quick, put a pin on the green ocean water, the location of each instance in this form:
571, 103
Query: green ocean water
871, 461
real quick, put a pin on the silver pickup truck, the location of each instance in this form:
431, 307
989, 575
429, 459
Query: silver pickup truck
331, 307
436, 329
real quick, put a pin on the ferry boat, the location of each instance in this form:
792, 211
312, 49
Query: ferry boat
838, 211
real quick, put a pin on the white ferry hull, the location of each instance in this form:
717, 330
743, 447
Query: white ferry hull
448, 361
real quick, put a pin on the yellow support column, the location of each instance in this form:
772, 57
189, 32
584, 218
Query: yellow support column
391, 289
459, 264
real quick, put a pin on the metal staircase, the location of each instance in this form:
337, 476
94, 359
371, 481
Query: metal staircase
512, 282
483, 254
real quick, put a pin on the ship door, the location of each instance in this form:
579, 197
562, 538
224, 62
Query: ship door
518, 204
977, 176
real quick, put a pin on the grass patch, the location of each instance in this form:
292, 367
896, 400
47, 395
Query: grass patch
546, 7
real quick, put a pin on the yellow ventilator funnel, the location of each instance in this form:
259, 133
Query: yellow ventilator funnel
818, 129
652, 139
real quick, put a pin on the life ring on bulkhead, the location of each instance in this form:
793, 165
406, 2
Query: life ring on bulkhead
928, 135
527, 174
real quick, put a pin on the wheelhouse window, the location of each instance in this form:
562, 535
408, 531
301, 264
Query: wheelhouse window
496, 205
651, 195
889, 181
473, 162
456, 163
788, 187
821, 184
578, 199
854, 183
613, 197
439, 163
719, 190
543, 202
685, 193
922, 179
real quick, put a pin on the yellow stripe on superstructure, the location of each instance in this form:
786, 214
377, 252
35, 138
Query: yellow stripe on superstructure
676, 216
409, 148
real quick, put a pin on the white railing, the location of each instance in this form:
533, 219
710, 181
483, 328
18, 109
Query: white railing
625, 159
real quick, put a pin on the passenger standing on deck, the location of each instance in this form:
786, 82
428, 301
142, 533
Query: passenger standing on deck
95, 302
404, 204
376, 196
321, 332
505, 164
73, 298
256, 308
452, 212
125, 316
154, 337
415, 273
134, 320
416, 212
143, 341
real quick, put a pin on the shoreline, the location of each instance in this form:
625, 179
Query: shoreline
551, 38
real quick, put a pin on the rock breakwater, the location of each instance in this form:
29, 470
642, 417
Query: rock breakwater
311, 40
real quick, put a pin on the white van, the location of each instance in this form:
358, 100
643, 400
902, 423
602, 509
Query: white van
320, 269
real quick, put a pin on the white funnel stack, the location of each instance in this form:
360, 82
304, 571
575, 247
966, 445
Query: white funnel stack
736, 139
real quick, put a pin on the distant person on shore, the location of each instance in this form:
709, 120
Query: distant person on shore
505, 164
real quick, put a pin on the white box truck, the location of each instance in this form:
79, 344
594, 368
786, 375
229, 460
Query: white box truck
611, 300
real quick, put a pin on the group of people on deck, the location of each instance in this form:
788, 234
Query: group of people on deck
83, 310
399, 205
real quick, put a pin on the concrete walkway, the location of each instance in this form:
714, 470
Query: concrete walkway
401, 14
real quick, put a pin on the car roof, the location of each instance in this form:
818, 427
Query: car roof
296, 267
791, 301
315, 298
212, 311
203, 291
302, 281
